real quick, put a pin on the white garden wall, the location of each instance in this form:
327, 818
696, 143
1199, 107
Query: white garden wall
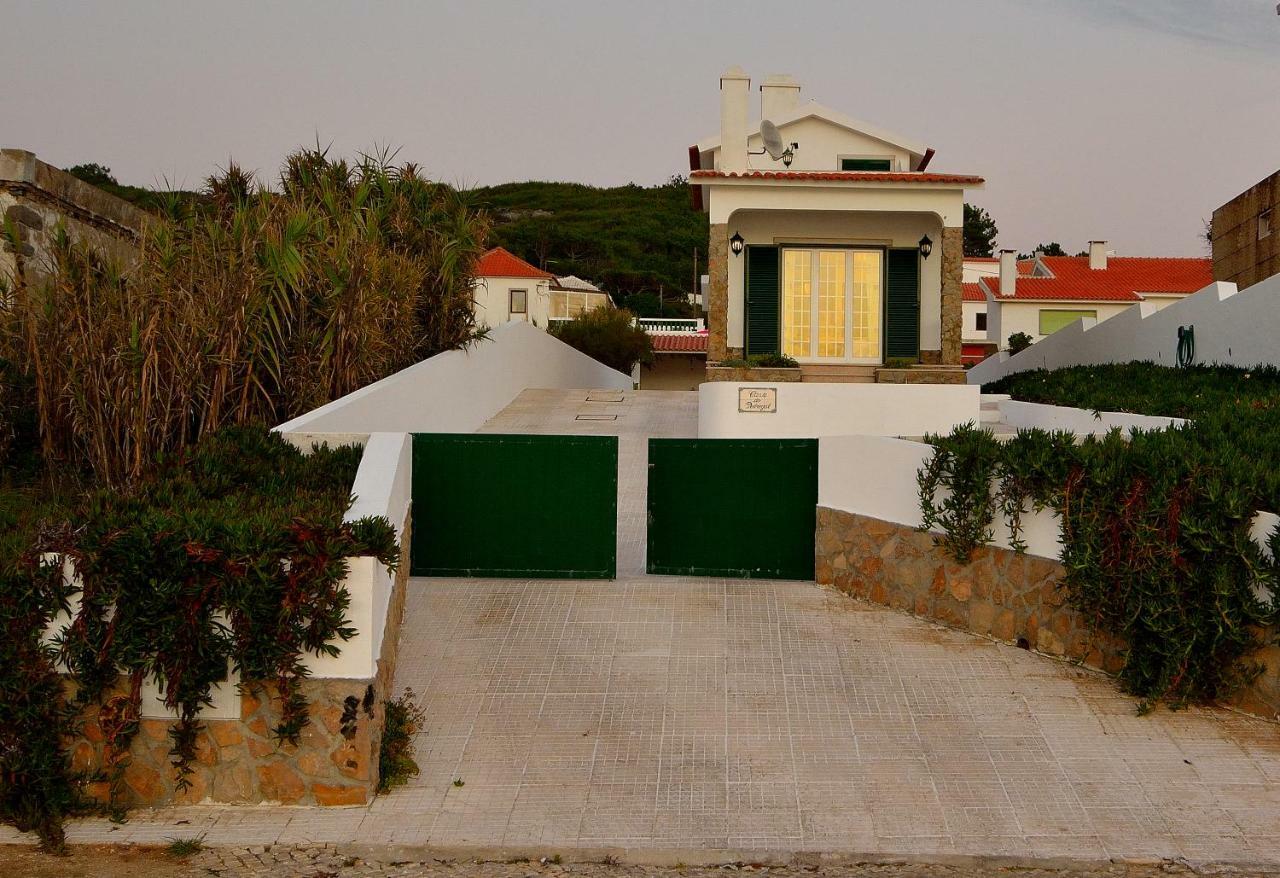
1231, 328
875, 476
813, 410
457, 391
1082, 422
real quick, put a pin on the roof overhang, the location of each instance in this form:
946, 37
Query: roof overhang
851, 179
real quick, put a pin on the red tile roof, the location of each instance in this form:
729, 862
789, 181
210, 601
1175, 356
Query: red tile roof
845, 176
683, 343
1123, 280
973, 293
503, 263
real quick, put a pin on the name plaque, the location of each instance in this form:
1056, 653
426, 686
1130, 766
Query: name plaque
762, 400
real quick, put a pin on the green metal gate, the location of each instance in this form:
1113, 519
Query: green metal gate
497, 505
744, 508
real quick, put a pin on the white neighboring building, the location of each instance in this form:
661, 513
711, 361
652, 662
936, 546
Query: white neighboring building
509, 289
1042, 295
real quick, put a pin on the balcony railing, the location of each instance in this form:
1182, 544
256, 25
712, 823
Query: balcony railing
665, 325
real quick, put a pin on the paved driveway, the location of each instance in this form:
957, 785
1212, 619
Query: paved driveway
695, 713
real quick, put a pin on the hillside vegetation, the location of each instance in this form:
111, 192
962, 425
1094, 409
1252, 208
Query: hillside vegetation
627, 239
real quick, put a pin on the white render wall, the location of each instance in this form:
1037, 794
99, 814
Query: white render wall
493, 300
815, 410
1082, 422
969, 331
876, 476
1231, 328
457, 391
1024, 316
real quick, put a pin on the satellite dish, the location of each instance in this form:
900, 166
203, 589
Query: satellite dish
771, 138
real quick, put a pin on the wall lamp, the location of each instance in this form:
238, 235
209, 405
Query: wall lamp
926, 247
736, 244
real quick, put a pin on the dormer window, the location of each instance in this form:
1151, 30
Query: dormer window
861, 163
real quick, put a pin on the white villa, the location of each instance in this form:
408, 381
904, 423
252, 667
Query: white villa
843, 252
509, 289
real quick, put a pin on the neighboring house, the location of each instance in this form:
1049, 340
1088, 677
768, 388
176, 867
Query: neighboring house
1245, 234
507, 288
975, 345
36, 199
1041, 295
570, 296
843, 253
679, 354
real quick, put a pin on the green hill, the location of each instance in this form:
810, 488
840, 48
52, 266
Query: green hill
631, 240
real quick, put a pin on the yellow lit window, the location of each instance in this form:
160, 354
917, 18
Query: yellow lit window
797, 302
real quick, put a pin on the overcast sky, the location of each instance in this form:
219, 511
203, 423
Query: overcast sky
1128, 120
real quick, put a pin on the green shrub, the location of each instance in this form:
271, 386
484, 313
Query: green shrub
1019, 342
900, 362
1155, 525
231, 554
404, 719
771, 361
735, 363
608, 335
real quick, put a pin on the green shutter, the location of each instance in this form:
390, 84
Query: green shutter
864, 164
1051, 321
902, 304
763, 294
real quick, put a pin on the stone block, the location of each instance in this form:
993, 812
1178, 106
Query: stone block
280, 783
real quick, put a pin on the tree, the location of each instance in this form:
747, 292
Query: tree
979, 232
1053, 248
608, 335
94, 174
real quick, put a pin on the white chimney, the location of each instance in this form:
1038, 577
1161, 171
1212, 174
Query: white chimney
1008, 272
734, 88
779, 96
1098, 255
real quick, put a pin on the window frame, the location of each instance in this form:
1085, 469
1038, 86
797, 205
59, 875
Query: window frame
1265, 226
814, 305
511, 293
980, 321
889, 160
1080, 313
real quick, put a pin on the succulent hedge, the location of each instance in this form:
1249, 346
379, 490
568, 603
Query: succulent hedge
1155, 524
230, 555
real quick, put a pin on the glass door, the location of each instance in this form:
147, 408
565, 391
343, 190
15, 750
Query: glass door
831, 304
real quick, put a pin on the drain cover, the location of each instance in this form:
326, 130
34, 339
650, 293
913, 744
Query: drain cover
596, 418
605, 396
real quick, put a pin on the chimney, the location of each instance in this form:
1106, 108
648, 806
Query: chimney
1098, 255
779, 95
1008, 272
734, 85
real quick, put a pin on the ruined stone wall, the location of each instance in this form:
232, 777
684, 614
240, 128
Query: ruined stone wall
1000, 594
36, 199
239, 761
1239, 254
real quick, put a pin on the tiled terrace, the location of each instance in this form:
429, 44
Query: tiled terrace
663, 714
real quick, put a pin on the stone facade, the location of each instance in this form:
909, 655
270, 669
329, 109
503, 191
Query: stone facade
746, 373
1242, 254
1000, 594
239, 761
717, 304
952, 295
922, 375
38, 198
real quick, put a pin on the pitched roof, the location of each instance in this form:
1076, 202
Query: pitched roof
499, 262
973, 293
679, 343
1125, 279
813, 109
844, 176
573, 282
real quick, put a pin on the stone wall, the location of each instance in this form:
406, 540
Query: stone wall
749, 373
922, 375
334, 763
718, 294
1000, 594
1239, 255
37, 199
952, 295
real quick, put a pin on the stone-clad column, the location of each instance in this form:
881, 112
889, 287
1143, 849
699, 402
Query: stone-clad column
718, 295
952, 294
